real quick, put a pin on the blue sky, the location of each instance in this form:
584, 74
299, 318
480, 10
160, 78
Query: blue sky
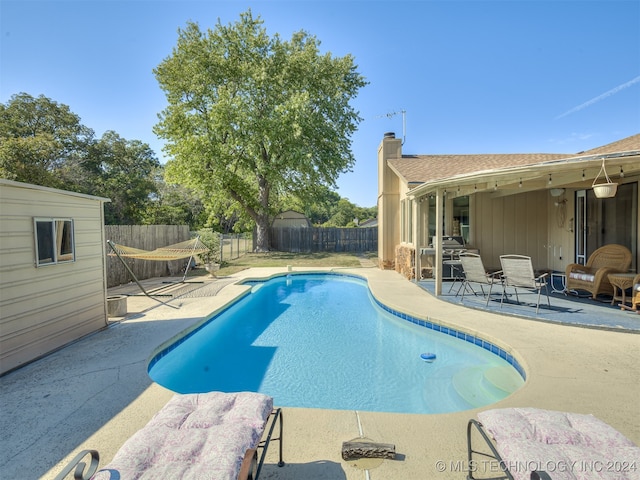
473, 76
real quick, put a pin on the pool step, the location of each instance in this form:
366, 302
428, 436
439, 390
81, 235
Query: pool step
481, 386
506, 379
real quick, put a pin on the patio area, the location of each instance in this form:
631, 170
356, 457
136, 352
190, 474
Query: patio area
95, 393
578, 310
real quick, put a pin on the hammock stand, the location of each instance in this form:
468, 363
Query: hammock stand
170, 252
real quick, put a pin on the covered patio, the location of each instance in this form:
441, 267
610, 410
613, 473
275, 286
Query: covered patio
545, 206
580, 311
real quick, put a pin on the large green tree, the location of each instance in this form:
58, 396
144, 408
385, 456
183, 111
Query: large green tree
38, 136
251, 117
124, 171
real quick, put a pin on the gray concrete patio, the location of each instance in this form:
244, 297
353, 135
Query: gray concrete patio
95, 393
565, 309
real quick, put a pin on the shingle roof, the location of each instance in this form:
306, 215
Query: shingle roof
628, 144
428, 168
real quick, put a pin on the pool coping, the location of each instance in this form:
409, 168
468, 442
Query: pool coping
95, 393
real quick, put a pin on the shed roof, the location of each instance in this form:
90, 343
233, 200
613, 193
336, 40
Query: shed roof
31, 186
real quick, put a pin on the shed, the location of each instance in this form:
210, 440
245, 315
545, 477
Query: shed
52, 270
291, 219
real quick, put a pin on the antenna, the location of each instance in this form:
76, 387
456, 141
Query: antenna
404, 121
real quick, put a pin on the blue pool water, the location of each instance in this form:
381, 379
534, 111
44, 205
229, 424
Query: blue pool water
321, 341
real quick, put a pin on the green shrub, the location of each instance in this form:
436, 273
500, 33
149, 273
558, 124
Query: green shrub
212, 240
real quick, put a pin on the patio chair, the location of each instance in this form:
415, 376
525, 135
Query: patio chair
593, 277
517, 272
212, 435
528, 443
474, 272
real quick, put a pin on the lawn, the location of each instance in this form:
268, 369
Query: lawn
282, 259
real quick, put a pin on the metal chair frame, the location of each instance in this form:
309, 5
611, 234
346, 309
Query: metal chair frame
517, 272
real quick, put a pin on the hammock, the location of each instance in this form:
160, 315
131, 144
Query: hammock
176, 251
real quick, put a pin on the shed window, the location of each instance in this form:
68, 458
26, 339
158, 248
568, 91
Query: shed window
54, 241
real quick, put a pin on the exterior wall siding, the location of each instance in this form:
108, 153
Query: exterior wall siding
514, 224
44, 308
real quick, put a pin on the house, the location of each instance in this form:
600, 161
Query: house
291, 219
371, 222
540, 205
52, 264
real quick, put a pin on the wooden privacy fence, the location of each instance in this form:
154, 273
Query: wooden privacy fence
316, 239
145, 237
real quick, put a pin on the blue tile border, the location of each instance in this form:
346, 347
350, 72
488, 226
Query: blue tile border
467, 337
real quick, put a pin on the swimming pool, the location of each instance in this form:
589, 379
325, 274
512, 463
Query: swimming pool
322, 341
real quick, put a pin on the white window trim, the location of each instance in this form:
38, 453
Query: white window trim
57, 256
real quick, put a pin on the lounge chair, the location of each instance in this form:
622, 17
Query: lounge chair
593, 277
474, 272
212, 435
517, 272
529, 443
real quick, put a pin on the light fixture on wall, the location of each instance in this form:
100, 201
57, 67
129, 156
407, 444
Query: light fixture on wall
607, 189
621, 172
520, 184
556, 192
549, 179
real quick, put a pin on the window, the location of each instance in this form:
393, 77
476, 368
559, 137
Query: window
410, 222
406, 221
459, 224
54, 241
403, 220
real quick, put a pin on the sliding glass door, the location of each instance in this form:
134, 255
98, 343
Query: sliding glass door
604, 221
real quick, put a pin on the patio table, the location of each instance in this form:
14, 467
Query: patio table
621, 281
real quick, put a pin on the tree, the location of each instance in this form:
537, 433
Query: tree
37, 138
124, 171
251, 117
173, 205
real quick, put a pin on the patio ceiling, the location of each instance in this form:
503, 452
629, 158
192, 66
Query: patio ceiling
570, 172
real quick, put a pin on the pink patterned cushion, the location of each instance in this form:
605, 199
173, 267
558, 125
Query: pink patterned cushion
568, 446
585, 277
195, 436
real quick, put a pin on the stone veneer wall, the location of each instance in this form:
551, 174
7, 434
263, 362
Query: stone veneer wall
405, 257
387, 264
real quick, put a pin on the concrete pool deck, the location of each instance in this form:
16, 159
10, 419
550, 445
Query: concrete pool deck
95, 393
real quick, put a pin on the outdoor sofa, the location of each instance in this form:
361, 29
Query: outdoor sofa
530, 443
211, 435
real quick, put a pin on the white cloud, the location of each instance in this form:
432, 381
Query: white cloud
600, 97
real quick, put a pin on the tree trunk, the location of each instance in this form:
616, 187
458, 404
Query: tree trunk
262, 220
262, 234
